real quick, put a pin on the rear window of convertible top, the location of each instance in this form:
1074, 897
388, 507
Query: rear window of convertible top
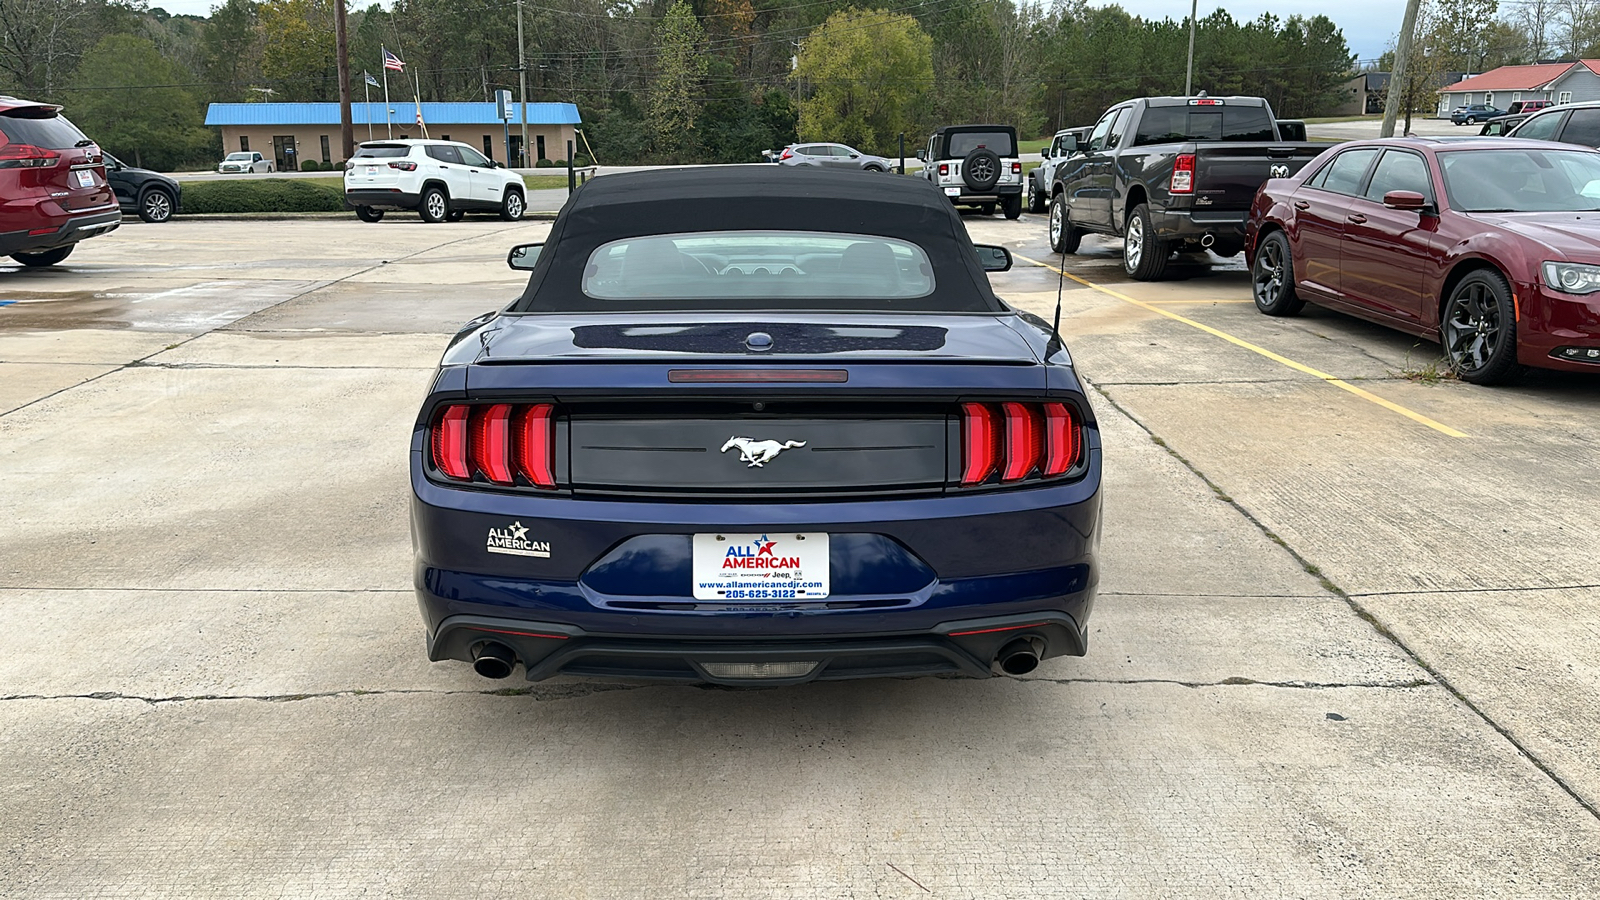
755, 266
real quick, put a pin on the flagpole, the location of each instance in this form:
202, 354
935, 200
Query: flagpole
417, 80
388, 124
366, 91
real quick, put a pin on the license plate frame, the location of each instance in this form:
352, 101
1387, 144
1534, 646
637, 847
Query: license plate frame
766, 567
85, 178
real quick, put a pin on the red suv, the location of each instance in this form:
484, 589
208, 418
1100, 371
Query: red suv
53, 189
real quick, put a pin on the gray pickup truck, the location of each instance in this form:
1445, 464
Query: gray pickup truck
1171, 173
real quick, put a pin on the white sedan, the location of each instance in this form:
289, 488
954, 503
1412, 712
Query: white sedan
244, 161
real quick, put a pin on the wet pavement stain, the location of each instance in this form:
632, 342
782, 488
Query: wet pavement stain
192, 308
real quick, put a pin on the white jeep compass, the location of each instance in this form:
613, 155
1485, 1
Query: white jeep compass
441, 180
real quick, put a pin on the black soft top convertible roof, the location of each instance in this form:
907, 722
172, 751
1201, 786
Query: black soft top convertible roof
757, 198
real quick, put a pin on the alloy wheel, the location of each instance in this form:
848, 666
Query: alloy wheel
981, 170
1269, 274
514, 206
1133, 243
1056, 223
436, 208
1473, 328
157, 208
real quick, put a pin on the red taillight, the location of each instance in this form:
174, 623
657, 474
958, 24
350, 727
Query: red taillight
26, 156
1182, 175
980, 442
1060, 439
450, 442
403, 165
944, 169
1024, 440
1018, 440
535, 444
491, 442
1016, 168
498, 442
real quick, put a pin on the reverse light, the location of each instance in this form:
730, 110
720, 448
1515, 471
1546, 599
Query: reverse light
1182, 175
1018, 440
404, 165
1016, 168
1571, 278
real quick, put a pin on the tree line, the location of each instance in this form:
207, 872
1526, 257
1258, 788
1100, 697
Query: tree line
657, 80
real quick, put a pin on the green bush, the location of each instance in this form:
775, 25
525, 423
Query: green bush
263, 195
582, 161
544, 164
311, 165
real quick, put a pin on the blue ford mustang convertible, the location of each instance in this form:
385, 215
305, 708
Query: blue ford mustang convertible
749, 427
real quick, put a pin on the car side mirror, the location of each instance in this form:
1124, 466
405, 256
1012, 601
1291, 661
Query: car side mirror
992, 258
1069, 145
855, 156
523, 256
1045, 153
1410, 201
922, 155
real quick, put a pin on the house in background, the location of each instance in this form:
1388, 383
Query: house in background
1362, 95
1564, 82
289, 134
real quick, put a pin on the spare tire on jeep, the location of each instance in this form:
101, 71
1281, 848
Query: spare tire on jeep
981, 170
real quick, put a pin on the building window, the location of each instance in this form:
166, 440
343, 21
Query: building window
327, 158
1564, 97
244, 143
488, 146
1488, 98
444, 137
540, 145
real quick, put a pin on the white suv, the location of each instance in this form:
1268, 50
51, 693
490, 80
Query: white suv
976, 165
441, 180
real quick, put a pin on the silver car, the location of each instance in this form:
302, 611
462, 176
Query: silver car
244, 161
832, 156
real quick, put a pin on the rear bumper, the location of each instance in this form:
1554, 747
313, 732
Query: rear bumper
1188, 224
970, 196
958, 647
381, 199
71, 231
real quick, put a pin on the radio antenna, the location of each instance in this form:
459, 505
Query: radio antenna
1055, 326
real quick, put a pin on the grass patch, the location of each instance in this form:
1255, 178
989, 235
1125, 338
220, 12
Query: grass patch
544, 182
1033, 146
1430, 372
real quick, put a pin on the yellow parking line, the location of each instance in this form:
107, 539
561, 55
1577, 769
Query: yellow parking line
1275, 357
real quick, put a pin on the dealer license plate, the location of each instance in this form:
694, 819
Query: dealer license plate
769, 566
85, 178
953, 191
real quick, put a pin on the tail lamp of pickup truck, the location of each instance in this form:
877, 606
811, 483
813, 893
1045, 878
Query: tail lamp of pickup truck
1182, 175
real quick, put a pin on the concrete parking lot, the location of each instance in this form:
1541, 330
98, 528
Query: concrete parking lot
1345, 642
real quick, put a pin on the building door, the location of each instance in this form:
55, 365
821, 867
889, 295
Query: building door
283, 153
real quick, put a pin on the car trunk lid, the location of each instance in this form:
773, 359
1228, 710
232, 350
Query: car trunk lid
52, 155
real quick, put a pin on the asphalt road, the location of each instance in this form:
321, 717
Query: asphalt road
1339, 651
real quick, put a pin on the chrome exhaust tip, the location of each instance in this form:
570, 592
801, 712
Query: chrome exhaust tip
493, 660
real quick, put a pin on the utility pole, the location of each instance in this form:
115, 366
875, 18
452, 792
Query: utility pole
347, 137
1188, 76
1397, 78
522, 77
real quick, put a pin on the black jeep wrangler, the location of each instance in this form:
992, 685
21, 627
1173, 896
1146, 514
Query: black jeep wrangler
976, 165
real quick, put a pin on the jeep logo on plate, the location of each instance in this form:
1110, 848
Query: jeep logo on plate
1280, 171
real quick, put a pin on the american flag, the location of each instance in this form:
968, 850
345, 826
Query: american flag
390, 61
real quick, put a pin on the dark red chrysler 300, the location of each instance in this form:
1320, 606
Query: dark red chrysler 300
1489, 246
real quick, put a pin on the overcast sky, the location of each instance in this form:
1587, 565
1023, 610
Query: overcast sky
1368, 24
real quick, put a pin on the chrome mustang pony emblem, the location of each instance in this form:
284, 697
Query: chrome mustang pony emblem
758, 453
